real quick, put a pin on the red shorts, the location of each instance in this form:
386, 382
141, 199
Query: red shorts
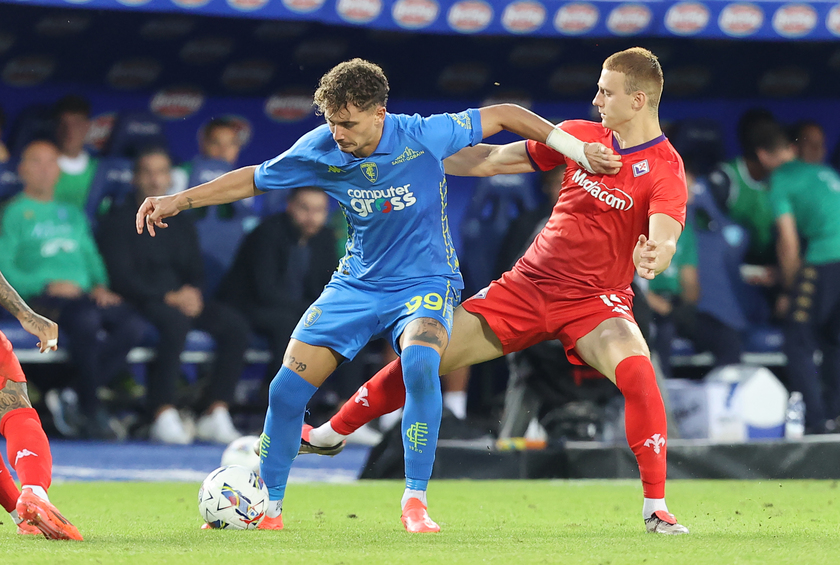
9, 365
522, 311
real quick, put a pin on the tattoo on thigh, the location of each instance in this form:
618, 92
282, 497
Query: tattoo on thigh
428, 331
296, 365
12, 397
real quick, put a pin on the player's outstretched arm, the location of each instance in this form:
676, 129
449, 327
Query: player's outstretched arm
653, 255
485, 160
44, 329
232, 186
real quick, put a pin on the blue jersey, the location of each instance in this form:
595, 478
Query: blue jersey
394, 201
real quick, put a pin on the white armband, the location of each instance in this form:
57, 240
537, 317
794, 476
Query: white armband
568, 145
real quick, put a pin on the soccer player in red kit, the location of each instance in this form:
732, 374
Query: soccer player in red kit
573, 283
26, 444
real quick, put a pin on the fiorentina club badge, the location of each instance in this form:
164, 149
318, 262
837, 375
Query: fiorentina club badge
641, 168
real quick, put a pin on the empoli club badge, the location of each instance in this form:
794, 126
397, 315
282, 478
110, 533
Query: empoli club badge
312, 316
370, 170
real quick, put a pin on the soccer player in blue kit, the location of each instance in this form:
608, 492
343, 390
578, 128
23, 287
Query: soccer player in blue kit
399, 278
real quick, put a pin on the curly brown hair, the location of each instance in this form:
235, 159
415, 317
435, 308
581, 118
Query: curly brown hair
357, 82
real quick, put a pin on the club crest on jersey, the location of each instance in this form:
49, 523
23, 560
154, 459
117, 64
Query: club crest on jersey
641, 168
370, 170
311, 316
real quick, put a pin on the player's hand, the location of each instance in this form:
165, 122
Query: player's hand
602, 159
152, 212
645, 256
43, 328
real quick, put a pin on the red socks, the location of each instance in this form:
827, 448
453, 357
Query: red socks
383, 393
27, 447
644, 421
9, 492
644, 413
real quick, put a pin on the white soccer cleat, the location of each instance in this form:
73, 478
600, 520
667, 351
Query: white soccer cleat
661, 522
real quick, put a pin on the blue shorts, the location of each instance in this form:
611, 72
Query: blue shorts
349, 312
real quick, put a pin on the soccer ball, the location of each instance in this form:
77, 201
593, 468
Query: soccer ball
241, 452
233, 498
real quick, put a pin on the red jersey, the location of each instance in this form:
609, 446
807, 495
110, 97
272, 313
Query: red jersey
589, 239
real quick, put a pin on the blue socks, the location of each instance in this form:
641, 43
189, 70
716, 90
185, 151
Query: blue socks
288, 395
422, 413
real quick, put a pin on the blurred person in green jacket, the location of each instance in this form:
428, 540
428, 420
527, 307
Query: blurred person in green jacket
50, 256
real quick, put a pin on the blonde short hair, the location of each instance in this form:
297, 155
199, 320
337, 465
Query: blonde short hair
642, 71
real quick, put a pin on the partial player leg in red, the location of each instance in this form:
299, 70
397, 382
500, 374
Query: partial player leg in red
646, 428
29, 453
382, 394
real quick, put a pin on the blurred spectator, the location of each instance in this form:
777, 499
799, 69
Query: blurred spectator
50, 257
740, 189
78, 167
806, 202
281, 268
218, 139
809, 140
4, 152
162, 276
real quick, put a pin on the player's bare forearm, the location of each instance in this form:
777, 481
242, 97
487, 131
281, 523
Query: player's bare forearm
515, 119
653, 254
485, 160
230, 187
11, 300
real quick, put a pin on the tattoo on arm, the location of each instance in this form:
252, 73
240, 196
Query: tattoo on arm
12, 397
10, 299
189, 203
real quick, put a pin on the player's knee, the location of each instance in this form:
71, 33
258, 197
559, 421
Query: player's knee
635, 377
420, 366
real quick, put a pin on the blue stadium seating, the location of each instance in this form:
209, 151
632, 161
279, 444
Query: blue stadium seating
111, 184
495, 203
10, 183
34, 122
134, 131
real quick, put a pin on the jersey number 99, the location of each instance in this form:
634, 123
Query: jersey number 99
431, 301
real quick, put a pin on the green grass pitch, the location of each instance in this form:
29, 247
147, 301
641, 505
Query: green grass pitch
516, 522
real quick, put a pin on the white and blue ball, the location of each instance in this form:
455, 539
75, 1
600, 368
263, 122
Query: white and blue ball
233, 498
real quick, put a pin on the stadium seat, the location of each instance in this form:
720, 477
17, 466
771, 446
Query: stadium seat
220, 231
495, 203
720, 251
10, 183
33, 122
110, 185
205, 170
134, 131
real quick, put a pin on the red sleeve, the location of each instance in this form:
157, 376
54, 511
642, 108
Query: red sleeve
544, 158
669, 193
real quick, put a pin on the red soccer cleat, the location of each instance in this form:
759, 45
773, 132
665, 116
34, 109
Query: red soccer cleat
415, 518
25, 529
39, 513
271, 523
